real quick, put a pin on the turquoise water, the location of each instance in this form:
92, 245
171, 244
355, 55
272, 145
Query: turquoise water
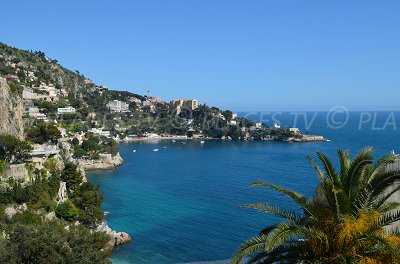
181, 204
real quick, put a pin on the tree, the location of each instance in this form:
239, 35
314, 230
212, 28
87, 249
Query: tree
67, 211
71, 176
88, 199
44, 132
75, 141
11, 148
342, 223
52, 243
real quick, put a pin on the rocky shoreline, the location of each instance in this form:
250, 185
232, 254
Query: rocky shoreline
105, 162
116, 238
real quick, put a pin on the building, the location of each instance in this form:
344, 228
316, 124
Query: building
39, 116
63, 93
276, 125
66, 110
155, 100
118, 106
180, 104
294, 130
101, 132
63, 131
12, 77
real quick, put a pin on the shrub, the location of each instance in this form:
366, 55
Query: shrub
67, 211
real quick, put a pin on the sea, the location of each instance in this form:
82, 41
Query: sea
182, 203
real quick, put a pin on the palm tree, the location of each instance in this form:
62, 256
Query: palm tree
343, 223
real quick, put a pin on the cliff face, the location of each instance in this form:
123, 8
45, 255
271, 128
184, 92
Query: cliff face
11, 111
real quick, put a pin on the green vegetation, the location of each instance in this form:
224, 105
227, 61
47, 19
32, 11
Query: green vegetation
343, 223
71, 176
67, 211
43, 132
12, 149
52, 243
94, 145
28, 238
88, 200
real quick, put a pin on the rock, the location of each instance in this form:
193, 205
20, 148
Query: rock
105, 162
11, 109
18, 172
50, 216
122, 238
116, 238
10, 211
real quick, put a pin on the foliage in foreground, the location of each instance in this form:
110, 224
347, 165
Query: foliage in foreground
52, 243
343, 223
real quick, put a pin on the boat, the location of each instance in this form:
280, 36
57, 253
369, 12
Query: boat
164, 147
173, 141
202, 142
184, 143
134, 150
328, 140
155, 150
106, 213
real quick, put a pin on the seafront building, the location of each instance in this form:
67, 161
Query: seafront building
118, 106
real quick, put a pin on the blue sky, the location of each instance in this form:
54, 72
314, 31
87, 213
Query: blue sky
240, 55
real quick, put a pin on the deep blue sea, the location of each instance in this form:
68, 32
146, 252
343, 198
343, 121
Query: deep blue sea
181, 204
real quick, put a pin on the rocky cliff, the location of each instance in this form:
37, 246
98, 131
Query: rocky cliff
11, 111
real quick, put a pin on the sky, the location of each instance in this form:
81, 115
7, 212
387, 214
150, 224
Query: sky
241, 55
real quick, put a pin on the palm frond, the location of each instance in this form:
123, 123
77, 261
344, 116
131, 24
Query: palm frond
276, 210
297, 197
344, 161
249, 247
320, 174
383, 198
329, 169
356, 171
381, 164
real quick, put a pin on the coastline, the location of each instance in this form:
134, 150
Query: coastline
303, 139
106, 162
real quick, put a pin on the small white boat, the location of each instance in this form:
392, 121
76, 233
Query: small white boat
106, 213
134, 150
183, 143
173, 141
155, 150
164, 147
328, 140
202, 142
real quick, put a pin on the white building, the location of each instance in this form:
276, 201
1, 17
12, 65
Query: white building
276, 125
66, 110
294, 130
37, 115
118, 106
101, 132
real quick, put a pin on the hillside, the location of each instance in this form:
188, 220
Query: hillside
46, 85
